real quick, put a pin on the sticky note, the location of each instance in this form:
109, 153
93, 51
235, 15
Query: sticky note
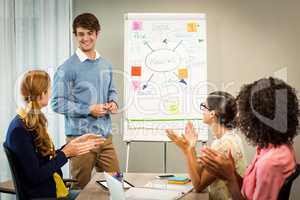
172, 108
136, 71
182, 73
178, 180
136, 85
137, 25
191, 27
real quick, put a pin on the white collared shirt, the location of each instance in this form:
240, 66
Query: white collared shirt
82, 56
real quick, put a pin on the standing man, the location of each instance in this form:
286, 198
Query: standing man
84, 93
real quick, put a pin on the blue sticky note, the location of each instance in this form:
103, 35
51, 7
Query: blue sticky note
177, 178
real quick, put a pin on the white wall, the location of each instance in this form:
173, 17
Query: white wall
246, 41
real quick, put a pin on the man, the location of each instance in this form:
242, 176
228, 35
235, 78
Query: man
84, 93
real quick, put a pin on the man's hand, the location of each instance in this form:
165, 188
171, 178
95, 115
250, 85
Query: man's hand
112, 107
98, 110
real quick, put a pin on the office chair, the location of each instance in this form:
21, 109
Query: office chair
285, 190
15, 172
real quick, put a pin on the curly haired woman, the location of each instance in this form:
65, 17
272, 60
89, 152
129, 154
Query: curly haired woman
268, 116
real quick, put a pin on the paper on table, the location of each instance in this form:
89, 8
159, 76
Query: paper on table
153, 194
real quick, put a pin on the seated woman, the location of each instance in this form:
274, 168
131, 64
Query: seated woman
28, 138
218, 113
268, 116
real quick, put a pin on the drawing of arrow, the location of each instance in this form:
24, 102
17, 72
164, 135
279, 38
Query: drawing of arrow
180, 80
177, 45
146, 43
165, 41
146, 85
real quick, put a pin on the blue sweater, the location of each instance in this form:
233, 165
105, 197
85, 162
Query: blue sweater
77, 85
37, 170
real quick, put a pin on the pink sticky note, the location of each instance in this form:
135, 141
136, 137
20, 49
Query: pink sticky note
137, 25
136, 85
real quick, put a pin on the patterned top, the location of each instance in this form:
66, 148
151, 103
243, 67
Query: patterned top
229, 141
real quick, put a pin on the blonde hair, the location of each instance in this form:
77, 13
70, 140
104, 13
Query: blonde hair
34, 84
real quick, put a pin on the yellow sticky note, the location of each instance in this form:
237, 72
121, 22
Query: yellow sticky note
172, 108
183, 73
191, 27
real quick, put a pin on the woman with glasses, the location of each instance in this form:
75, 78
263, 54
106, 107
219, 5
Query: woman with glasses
219, 113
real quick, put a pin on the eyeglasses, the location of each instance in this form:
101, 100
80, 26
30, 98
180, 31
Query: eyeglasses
203, 107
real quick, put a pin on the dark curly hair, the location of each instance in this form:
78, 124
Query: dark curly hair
225, 107
86, 20
268, 112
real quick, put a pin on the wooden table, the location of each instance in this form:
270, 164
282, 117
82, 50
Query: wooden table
7, 187
94, 191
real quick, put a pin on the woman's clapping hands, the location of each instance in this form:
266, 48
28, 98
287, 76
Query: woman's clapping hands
82, 144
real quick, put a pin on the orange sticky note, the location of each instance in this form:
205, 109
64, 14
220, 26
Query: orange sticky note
136, 70
191, 27
183, 73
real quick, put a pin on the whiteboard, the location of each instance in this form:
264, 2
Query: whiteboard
165, 67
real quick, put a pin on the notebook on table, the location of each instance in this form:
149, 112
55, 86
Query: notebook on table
138, 193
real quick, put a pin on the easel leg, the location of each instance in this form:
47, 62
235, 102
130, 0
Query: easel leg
127, 156
165, 157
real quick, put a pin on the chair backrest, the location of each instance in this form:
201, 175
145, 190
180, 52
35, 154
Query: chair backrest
285, 190
15, 172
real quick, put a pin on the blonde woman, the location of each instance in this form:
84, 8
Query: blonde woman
28, 138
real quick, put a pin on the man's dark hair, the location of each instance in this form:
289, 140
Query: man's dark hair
86, 20
268, 112
224, 105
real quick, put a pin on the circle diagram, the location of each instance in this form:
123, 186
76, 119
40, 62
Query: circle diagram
162, 60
